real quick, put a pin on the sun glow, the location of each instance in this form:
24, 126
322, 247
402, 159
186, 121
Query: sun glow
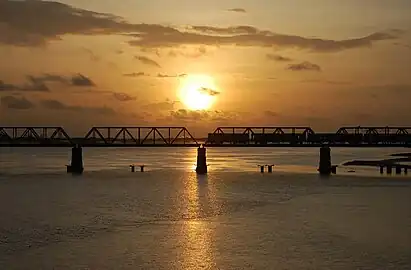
198, 92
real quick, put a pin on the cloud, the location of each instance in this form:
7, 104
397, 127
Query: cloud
123, 97
81, 80
33, 85
78, 80
36, 23
209, 116
147, 61
53, 104
278, 58
271, 114
198, 52
326, 82
208, 91
246, 36
304, 66
240, 10
160, 75
16, 103
402, 45
93, 56
166, 105
135, 74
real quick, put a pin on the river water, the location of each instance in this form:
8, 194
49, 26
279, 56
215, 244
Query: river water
170, 218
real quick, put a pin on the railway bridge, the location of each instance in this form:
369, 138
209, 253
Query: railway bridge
275, 136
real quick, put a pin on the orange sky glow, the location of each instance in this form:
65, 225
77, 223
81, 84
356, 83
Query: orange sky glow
201, 65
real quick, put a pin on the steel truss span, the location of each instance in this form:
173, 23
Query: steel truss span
221, 137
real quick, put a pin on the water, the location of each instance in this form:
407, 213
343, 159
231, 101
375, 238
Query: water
304, 160
170, 218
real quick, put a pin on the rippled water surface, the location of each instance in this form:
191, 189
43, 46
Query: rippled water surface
170, 218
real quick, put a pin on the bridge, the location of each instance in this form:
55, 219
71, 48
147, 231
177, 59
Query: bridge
221, 137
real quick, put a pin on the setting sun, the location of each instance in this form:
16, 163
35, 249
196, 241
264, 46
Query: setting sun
198, 92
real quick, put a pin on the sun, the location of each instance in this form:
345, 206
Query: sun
198, 92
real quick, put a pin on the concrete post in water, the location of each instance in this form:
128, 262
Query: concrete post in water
201, 160
76, 165
262, 168
270, 168
381, 169
398, 170
405, 170
325, 160
142, 168
133, 168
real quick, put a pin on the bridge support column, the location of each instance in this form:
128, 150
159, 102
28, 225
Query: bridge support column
76, 165
201, 160
389, 169
325, 161
398, 170
405, 170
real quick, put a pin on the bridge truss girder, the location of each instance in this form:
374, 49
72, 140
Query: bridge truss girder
375, 130
140, 135
34, 134
263, 130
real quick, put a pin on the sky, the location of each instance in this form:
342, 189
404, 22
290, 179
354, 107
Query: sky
203, 64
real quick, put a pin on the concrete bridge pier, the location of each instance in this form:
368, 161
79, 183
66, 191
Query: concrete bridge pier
325, 167
76, 166
389, 169
201, 160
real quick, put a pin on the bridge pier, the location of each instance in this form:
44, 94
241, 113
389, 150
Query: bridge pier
325, 167
76, 166
201, 160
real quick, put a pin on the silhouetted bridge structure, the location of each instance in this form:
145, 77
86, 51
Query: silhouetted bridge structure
221, 137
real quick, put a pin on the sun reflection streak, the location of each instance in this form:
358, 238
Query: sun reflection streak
197, 234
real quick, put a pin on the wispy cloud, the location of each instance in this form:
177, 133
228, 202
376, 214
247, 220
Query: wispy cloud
240, 10
92, 55
160, 75
123, 97
304, 66
33, 85
278, 58
16, 103
147, 61
198, 52
53, 104
166, 105
81, 80
135, 74
78, 80
208, 91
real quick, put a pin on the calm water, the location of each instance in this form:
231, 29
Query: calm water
169, 218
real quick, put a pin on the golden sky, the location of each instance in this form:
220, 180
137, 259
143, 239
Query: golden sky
203, 64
